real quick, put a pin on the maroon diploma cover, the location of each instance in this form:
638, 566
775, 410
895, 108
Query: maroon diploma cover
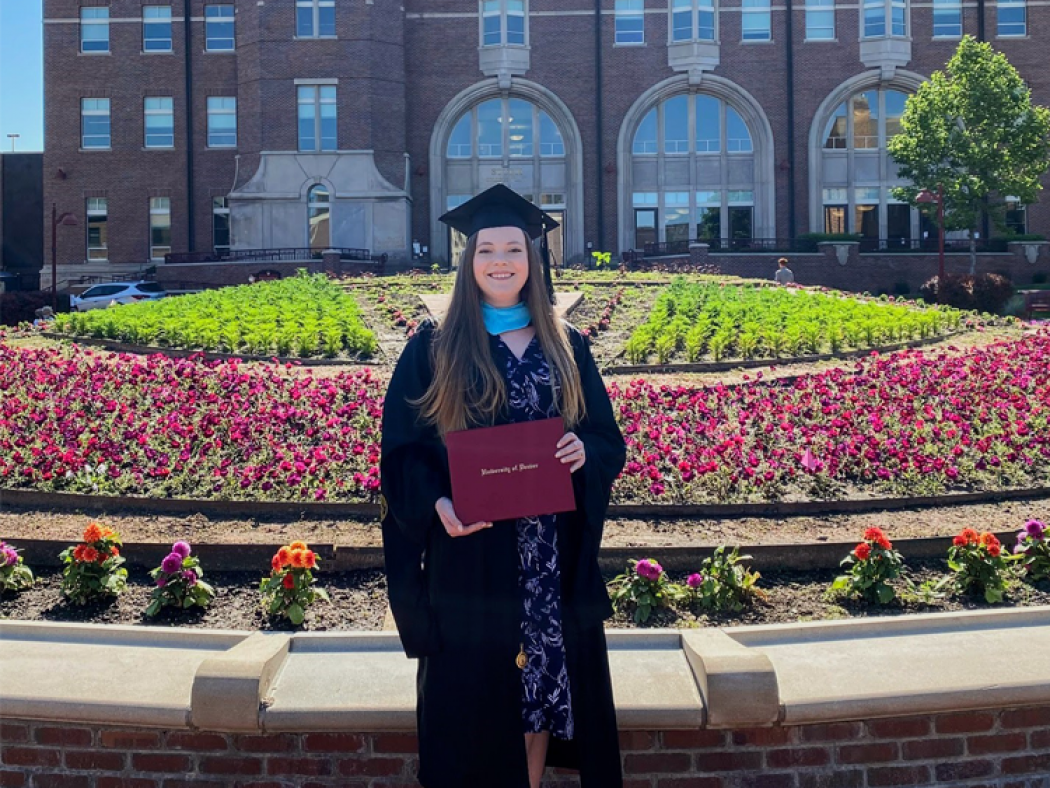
510, 471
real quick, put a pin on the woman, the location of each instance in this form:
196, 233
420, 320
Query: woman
505, 618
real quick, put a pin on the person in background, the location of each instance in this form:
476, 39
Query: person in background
784, 275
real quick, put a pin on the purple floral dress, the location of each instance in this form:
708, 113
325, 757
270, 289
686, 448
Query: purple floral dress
545, 697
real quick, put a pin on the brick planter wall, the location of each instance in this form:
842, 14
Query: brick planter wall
1007, 748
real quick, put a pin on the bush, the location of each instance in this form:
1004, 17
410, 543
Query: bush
870, 568
20, 306
983, 292
978, 565
902, 288
645, 587
93, 569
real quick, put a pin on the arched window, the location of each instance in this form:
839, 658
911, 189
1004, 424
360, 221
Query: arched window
319, 214
511, 125
858, 173
693, 174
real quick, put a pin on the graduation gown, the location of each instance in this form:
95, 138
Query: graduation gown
458, 607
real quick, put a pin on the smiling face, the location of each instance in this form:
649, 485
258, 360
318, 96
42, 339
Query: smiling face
501, 264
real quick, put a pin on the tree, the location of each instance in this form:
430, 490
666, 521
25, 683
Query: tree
973, 129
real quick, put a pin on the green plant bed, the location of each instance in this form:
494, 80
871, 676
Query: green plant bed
303, 316
695, 321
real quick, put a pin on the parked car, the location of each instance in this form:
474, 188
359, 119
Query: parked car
101, 296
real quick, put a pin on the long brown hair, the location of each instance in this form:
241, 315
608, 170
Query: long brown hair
467, 389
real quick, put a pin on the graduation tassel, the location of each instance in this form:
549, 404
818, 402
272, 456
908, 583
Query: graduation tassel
545, 253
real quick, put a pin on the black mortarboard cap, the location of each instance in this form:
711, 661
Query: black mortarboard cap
500, 206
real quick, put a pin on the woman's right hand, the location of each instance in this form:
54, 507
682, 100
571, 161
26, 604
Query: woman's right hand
452, 524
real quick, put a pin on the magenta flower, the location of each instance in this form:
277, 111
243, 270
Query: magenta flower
695, 580
171, 563
649, 569
1035, 529
181, 549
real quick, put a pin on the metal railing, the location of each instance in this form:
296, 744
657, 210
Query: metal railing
809, 244
280, 255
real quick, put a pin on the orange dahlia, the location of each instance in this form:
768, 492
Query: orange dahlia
297, 545
276, 563
969, 536
310, 559
93, 533
298, 558
284, 555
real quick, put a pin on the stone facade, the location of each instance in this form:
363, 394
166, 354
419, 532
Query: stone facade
405, 76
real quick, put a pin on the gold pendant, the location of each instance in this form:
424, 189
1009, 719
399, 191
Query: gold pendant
522, 659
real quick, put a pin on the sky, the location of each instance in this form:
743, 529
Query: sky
21, 74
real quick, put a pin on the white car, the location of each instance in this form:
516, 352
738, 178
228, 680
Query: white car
101, 296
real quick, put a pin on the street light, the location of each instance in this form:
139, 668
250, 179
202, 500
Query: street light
926, 196
69, 220
13, 137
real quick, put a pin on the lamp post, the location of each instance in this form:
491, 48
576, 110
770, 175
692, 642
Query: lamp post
69, 220
13, 137
926, 196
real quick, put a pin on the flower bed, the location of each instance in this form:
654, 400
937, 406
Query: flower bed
710, 320
303, 316
901, 425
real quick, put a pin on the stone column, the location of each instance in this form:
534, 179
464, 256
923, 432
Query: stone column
698, 253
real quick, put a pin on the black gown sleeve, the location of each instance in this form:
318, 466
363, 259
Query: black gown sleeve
603, 443
413, 476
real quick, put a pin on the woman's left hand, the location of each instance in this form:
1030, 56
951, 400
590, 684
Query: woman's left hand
571, 449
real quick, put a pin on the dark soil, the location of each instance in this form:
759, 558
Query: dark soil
359, 602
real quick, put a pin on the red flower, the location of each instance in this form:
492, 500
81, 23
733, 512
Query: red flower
873, 535
862, 551
289, 581
969, 536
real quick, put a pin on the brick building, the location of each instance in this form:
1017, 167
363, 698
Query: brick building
356, 123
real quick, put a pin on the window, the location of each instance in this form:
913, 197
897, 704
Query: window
630, 21
502, 22
94, 30
676, 216
490, 132
159, 227
676, 125
1016, 217
515, 131
160, 123
709, 215
319, 213
645, 137
218, 28
314, 18
459, 146
741, 214
551, 142
1012, 18
97, 235
220, 224
317, 118
519, 129
156, 28
884, 18
754, 21
947, 19
94, 123
222, 122
692, 20
708, 125
820, 20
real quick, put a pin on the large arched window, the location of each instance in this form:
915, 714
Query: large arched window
693, 174
858, 174
318, 217
507, 140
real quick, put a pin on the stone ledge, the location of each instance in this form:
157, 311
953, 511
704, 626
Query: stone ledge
668, 679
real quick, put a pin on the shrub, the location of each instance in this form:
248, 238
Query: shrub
983, 292
645, 585
1033, 550
94, 568
902, 287
289, 590
724, 582
871, 565
979, 565
14, 574
178, 582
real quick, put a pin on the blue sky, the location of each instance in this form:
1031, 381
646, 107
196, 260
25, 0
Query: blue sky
21, 74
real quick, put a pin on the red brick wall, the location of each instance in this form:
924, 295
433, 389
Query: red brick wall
1007, 748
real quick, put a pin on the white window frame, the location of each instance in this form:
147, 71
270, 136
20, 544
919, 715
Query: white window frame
999, 24
696, 7
629, 11
315, 7
223, 19
166, 107
819, 10
217, 106
888, 7
220, 206
154, 15
90, 111
91, 17
756, 9
488, 9
160, 207
316, 100
94, 208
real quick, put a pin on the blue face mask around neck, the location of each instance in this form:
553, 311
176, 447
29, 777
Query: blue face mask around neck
500, 319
